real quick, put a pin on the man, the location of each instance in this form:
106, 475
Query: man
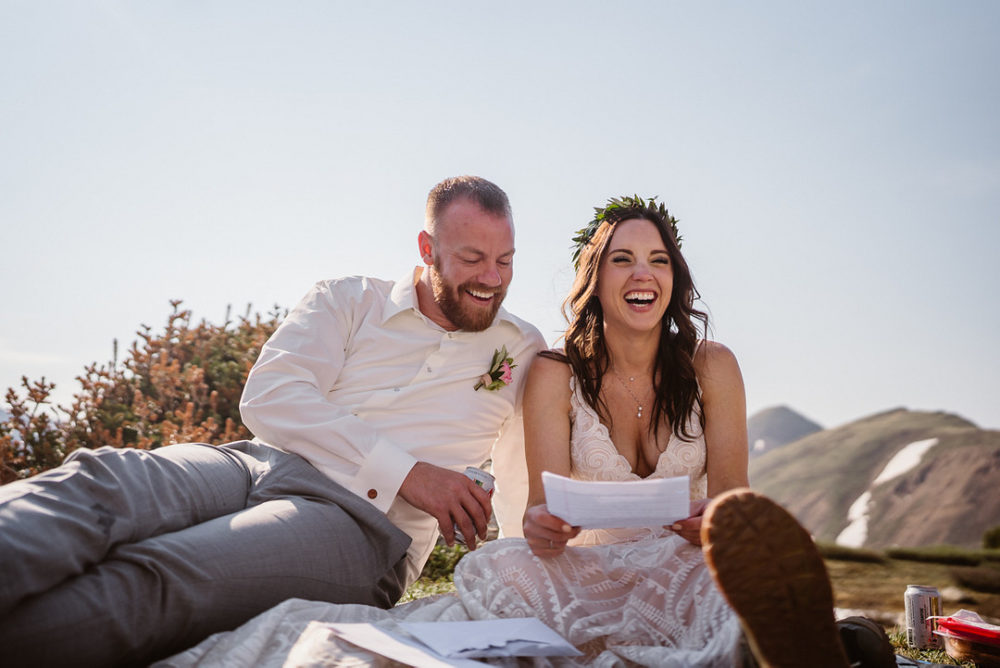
367, 407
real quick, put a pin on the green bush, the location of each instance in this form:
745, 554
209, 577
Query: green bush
938, 554
991, 538
982, 578
841, 553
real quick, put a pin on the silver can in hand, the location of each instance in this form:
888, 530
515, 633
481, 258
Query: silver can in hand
484, 480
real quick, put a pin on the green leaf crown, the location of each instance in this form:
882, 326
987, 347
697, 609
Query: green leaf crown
614, 212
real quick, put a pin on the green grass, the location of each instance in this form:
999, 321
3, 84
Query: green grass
897, 637
436, 578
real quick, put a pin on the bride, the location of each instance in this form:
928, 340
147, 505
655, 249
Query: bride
634, 395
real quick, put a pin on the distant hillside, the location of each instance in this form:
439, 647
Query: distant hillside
940, 490
773, 427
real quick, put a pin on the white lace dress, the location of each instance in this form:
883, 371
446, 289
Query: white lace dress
626, 597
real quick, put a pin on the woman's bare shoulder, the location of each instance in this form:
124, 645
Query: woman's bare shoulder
714, 361
550, 370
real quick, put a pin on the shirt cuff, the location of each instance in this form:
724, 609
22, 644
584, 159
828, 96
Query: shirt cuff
382, 474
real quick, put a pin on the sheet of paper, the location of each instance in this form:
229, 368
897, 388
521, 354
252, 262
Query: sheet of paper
524, 636
397, 647
610, 505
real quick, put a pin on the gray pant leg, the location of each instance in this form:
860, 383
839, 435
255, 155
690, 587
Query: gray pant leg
304, 537
59, 523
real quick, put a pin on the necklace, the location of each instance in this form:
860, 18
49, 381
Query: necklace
628, 389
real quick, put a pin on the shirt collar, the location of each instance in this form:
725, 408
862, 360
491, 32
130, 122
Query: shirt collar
403, 297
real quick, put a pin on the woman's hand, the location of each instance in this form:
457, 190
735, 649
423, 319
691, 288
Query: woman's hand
545, 533
690, 528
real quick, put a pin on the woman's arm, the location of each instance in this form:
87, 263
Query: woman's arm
724, 402
546, 445
724, 405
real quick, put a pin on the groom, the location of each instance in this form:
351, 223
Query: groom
365, 415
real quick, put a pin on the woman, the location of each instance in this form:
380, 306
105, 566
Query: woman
634, 395
672, 405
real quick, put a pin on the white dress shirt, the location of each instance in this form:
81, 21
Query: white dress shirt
361, 384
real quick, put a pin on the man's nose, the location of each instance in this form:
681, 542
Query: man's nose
491, 277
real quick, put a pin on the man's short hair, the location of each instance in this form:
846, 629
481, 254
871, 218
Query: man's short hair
486, 194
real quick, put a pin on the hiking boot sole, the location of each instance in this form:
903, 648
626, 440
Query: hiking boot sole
769, 569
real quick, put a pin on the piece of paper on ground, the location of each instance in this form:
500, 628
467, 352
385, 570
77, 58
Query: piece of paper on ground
522, 636
394, 646
610, 505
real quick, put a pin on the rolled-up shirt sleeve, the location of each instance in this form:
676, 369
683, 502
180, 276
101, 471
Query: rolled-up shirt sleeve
285, 400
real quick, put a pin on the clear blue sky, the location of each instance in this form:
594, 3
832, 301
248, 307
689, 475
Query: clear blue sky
835, 168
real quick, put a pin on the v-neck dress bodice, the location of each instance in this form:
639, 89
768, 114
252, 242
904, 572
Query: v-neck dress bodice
593, 456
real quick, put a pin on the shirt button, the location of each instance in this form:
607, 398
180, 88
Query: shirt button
429, 370
372, 494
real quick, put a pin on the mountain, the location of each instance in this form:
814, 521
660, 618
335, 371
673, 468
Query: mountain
901, 477
773, 427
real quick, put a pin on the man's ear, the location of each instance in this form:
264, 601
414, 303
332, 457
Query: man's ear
426, 246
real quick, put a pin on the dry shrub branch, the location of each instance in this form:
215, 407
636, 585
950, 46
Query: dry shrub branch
180, 385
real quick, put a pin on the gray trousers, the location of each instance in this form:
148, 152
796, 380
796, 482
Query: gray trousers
121, 556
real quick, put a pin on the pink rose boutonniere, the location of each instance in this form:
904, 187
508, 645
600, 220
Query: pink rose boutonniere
500, 372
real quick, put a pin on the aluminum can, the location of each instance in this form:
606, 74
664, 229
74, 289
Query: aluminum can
920, 604
484, 480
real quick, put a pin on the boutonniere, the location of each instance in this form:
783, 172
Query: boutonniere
499, 373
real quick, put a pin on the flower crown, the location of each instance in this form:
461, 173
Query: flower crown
612, 214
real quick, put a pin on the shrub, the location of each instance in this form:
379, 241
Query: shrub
938, 554
991, 538
31, 441
182, 385
982, 578
843, 553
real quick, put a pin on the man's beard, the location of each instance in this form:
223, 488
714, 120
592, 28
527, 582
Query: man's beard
466, 317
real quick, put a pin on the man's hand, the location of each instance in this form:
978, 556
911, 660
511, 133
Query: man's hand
451, 498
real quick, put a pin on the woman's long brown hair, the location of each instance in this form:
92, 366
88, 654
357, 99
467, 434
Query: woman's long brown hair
675, 384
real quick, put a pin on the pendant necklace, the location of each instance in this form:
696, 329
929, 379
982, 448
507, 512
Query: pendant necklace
631, 393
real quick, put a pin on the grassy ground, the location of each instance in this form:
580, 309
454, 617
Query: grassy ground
864, 582
875, 587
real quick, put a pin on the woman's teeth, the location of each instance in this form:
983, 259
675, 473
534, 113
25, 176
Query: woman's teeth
640, 298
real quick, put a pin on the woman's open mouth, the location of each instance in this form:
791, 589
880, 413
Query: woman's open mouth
640, 297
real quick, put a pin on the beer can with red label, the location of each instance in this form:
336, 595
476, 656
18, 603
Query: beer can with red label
484, 480
920, 604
